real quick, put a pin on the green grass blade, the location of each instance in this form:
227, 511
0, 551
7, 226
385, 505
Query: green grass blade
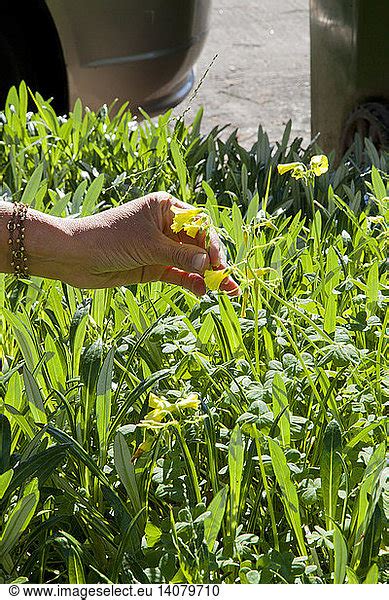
75, 568
180, 168
288, 492
369, 494
5, 480
331, 470
372, 575
22, 331
235, 467
281, 407
330, 314
92, 195
32, 186
103, 400
213, 522
372, 286
90, 365
126, 470
34, 397
340, 556
19, 518
379, 187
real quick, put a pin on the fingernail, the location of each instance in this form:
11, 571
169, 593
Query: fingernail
198, 262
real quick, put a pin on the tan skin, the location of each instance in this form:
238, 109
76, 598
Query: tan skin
131, 243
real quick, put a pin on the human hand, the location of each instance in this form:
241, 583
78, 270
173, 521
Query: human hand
134, 243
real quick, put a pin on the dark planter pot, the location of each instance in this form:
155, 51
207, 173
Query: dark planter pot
141, 51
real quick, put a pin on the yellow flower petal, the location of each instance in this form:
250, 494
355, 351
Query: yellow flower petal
284, 168
183, 217
152, 424
319, 164
192, 401
213, 279
177, 210
298, 172
156, 415
157, 402
193, 228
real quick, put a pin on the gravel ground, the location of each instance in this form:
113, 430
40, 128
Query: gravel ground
261, 73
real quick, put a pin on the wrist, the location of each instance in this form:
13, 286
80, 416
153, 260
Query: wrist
48, 243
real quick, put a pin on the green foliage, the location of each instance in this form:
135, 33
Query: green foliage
279, 475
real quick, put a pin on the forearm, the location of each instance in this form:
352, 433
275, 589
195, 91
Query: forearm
48, 243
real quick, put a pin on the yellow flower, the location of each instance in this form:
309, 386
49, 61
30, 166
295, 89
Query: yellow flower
156, 415
194, 227
159, 403
185, 218
155, 425
319, 164
290, 167
192, 401
213, 279
161, 406
298, 172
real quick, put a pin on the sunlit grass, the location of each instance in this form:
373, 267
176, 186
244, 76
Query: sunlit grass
275, 473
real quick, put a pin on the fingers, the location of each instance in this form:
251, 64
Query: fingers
183, 252
190, 281
216, 254
215, 250
230, 286
186, 257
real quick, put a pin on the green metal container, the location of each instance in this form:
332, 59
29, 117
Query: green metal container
349, 72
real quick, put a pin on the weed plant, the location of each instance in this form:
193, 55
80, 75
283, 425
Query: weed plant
149, 436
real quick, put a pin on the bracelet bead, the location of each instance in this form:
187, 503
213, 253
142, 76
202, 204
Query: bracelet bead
16, 230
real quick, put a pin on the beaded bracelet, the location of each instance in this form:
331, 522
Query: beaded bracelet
16, 240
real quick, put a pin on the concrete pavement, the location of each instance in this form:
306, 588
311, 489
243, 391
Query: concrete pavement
261, 74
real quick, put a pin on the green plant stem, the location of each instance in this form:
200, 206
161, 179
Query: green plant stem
267, 489
317, 240
256, 321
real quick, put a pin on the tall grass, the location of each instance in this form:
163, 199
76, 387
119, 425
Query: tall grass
279, 475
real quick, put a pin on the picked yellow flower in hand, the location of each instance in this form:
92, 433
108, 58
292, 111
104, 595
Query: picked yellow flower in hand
213, 279
190, 220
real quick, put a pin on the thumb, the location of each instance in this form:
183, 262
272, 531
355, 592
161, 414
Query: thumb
188, 257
